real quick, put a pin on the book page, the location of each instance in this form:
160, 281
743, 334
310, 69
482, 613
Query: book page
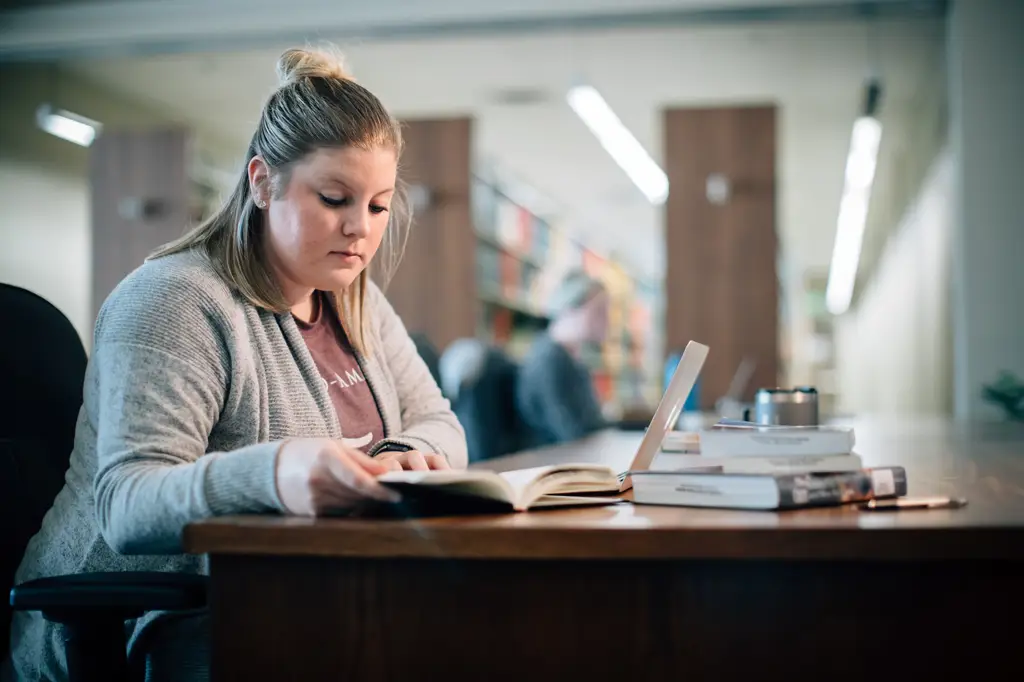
532, 483
520, 479
547, 501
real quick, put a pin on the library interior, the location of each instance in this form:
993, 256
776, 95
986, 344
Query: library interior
471, 340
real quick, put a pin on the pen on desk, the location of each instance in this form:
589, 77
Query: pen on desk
904, 503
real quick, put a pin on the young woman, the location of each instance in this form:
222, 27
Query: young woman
251, 366
554, 392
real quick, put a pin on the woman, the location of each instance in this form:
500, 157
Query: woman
554, 391
250, 366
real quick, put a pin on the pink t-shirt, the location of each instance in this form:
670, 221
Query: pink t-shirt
335, 359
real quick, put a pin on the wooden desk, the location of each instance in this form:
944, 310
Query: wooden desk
641, 593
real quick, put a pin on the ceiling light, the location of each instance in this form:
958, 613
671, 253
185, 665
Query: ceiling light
67, 126
619, 142
861, 162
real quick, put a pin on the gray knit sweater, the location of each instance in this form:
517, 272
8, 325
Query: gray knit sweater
188, 395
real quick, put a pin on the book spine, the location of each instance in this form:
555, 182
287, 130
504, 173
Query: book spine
817, 490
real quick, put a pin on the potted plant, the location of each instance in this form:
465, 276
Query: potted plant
1008, 393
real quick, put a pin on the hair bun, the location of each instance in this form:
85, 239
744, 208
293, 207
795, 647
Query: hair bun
297, 63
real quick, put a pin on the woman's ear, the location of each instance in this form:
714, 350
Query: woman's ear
259, 180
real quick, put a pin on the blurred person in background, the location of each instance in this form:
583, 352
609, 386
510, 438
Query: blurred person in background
554, 390
250, 366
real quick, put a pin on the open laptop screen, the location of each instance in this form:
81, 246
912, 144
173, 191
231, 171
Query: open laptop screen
683, 380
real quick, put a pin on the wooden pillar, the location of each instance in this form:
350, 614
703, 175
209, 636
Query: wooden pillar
720, 239
434, 289
139, 187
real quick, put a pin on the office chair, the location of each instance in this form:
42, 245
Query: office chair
479, 380
42, 369
429, 353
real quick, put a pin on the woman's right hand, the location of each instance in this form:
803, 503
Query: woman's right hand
318, 475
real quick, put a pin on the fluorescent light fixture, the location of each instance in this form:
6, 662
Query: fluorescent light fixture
619, 142
67, 126
853, 213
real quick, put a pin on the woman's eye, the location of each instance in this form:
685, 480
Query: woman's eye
332, 201
335, 202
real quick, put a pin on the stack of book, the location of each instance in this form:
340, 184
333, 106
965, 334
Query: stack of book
742, 465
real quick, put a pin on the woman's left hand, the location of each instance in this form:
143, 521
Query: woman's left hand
412, 460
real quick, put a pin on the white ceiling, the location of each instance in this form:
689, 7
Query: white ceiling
40, 28
813, 71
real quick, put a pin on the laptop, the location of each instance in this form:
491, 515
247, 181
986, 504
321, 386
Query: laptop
683, 379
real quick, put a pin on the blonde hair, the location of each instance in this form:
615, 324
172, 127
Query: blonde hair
317, 104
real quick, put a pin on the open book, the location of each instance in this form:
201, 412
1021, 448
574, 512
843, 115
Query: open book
560, 485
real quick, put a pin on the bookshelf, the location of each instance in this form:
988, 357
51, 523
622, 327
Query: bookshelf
521, 258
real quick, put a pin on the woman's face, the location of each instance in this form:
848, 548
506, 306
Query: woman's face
326, 223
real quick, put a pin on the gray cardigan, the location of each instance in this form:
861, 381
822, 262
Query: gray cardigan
188, 395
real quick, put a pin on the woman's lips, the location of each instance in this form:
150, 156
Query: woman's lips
348, 256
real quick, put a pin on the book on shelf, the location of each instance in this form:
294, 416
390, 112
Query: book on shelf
509, 274
507, 221
562, 485
767, 492
484, 204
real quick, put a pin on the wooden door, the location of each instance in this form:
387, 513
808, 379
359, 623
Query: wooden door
434, 288
720, 239
139, 191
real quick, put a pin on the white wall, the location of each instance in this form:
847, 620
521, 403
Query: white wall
986, 110
45, 236
894, 350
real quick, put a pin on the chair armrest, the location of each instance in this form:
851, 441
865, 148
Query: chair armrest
129, 592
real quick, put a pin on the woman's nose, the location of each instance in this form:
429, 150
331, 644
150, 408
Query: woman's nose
357, 223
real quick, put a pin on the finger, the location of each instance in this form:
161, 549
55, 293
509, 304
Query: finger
371, 465
355, 475
390, 460
392, 463
435, 461
414, 461
392, 455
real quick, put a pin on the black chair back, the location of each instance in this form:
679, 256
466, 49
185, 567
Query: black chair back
42, 369
480, 381
428, 352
